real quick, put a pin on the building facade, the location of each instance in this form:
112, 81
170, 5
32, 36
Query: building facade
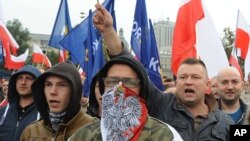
164, 30
42, 40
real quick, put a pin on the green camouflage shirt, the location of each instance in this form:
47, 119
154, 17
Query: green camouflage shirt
154, 130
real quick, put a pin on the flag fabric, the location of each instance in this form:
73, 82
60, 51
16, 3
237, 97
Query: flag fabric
209, 45
9, 46
12, 62
233, 61
61, 27
242, 35
91, 44
73, 42
5, 35
62, 55
140, 33
95, 60
195, 36
144, 45
81, 72
184, 38
112, 12
154, 67
242, 39
39, 57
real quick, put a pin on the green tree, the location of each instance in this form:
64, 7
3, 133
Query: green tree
20, 34
228, 40
228, 43
53, 56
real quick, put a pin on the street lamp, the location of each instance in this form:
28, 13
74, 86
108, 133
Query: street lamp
82, 15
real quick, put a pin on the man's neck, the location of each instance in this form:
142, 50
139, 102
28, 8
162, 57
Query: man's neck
230, 108
25, 101
201, 110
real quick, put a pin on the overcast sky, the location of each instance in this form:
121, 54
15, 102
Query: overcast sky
39, 15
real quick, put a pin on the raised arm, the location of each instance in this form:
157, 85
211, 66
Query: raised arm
103, 21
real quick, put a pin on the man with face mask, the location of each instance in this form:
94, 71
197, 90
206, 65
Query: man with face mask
123, 82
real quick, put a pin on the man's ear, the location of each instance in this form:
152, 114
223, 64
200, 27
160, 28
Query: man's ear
208, 90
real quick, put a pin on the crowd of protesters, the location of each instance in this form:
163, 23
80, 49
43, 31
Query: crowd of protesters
123, 103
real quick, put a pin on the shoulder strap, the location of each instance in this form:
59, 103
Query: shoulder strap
5, 113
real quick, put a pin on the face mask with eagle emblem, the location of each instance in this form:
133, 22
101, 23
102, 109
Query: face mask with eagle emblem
124, 114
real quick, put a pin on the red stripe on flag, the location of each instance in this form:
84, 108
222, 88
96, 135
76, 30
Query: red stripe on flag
5, 36
242, 42
184, 38
233, 61
40, 58
10, 63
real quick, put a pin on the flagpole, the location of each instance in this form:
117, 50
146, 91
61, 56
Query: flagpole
78, 67
237, 23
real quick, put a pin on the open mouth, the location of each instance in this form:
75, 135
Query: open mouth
229, 93
54, 103
188, 90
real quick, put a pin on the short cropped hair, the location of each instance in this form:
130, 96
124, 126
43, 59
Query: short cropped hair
194, 61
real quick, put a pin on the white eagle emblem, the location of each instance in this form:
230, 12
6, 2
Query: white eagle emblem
120, 114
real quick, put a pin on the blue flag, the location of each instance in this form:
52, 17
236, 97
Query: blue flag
61, 27
140, 32
154, 67
74, 41
144, 45
91, 45
112, 12
94, 45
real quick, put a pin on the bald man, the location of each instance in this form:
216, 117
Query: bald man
230, 86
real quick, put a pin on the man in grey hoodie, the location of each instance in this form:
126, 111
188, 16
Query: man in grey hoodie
21, 110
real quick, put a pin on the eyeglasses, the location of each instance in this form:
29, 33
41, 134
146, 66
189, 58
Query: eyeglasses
126, 81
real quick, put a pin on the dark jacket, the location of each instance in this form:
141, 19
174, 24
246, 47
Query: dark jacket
243, 108
165, 107
68, 71
93, 104
11, 126
215, 127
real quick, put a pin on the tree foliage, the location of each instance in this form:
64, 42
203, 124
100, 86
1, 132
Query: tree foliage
53, 56
228, 40
20, 34
22, 37
228, 43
